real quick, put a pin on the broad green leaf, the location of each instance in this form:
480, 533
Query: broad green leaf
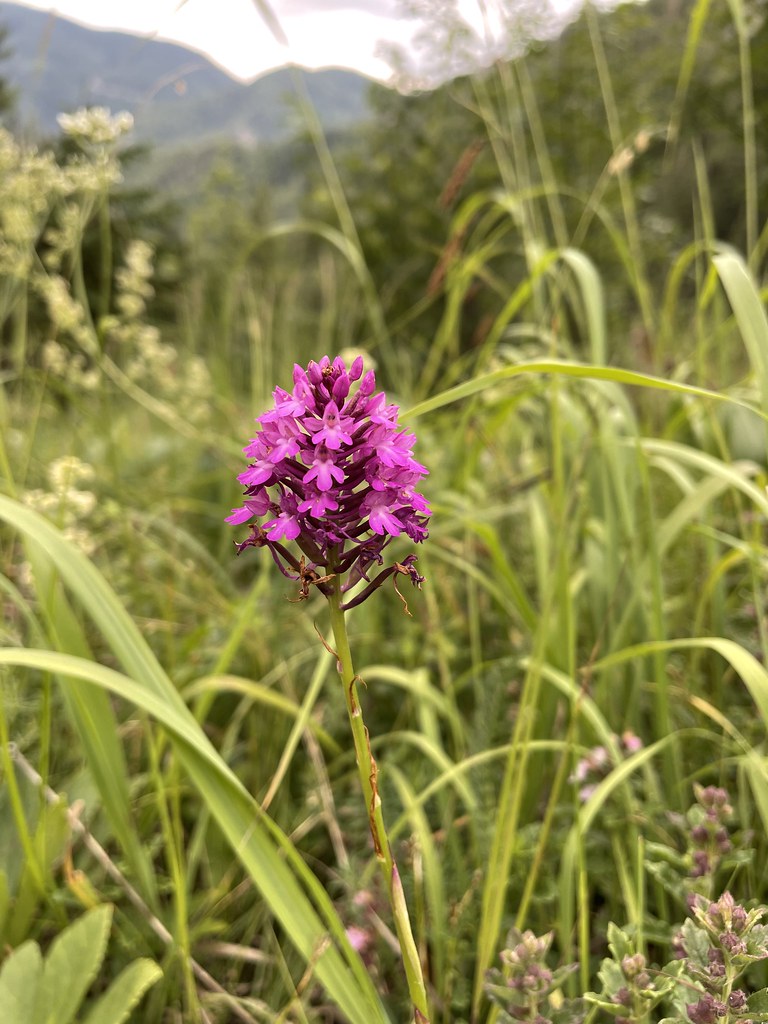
756, 768
20, 978
124, 993
758, 1002
72, 964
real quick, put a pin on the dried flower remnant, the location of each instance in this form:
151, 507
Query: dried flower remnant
333, 471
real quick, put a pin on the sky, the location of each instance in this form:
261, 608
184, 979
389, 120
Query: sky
315, 33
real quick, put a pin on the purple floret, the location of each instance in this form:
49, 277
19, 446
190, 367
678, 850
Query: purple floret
333, 471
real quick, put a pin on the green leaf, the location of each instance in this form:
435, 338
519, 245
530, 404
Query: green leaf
696, 942
594, 302
619, 943
92, 715
758, 1002
562, 368
20, 984
747, 667
611, 977
71, 965
744, 297
128, 988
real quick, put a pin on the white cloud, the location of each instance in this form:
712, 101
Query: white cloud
318, 33
233, 33
377, 8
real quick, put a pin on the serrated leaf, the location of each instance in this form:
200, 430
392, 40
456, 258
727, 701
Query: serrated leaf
560, 974
71, 965
124, 993
682, 992
757, 942
696, 942
611, 976
619, 943
20, 984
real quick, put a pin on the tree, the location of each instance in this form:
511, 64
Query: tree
7, 93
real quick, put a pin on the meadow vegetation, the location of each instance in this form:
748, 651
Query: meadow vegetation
557, 268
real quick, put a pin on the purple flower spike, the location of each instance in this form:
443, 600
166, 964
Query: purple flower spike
333, 471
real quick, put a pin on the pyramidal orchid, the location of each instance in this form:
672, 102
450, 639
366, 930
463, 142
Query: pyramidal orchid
332, 472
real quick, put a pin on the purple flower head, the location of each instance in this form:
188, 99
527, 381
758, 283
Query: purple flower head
332, 470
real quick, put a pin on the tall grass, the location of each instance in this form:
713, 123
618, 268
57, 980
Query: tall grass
595, 573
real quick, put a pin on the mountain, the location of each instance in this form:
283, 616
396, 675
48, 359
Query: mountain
178, 98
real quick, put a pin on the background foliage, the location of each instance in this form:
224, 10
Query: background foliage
558, 269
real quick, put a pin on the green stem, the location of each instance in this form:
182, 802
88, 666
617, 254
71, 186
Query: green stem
368, 771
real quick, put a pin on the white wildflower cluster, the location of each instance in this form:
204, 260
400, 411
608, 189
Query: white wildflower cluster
68, 319
150, 358
146, 359
71, 367
33, 185
196, 397
63, 237
97, 131
66, 314
96, 126
134, 288
65, 502
30, 184
41, 201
